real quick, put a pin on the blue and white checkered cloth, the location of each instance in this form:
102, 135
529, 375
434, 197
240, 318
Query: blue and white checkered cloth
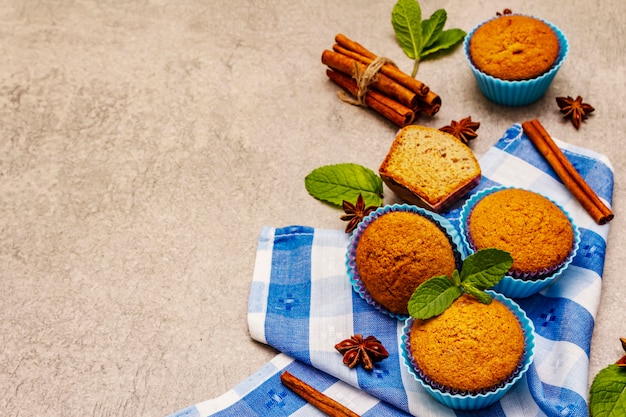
302, 304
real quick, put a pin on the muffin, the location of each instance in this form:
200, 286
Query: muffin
470, 355
430, 168
395, 249
470, 347
514, 47
540, 236
514, 58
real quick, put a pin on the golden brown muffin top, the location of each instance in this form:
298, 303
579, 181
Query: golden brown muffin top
397, 252
514, 47
535, 231
470, 347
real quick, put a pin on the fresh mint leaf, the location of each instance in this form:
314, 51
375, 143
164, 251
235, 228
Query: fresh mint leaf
406, 18
482, 296
607, 396
433, 297
432, 27
446, 39
421, 38
335, 183
480, 270
456, 278
485, 268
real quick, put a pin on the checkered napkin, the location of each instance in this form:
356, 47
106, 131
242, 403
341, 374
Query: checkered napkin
302, 304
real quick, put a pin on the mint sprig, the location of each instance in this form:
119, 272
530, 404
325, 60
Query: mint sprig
336, 183
480, 271
422, 38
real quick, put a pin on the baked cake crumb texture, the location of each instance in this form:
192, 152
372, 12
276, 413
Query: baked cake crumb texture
514, 47
397, 252
469, 347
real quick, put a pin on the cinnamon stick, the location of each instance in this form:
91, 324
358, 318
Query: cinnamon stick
316, 398
382, 83
390, 109
590, 201
430, 104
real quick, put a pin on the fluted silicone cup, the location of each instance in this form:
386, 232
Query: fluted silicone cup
480, 400
516, 93
512, 286
353, 273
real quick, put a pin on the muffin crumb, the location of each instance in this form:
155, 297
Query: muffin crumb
514, 47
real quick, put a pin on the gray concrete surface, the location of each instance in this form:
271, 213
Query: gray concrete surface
143, 145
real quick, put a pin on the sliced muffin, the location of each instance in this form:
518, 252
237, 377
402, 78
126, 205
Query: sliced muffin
429, 168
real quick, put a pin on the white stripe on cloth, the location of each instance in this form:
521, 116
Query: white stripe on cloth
262, 275
562, 364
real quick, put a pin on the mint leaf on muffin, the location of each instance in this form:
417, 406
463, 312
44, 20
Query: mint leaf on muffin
336, 183
421, 38
480, 271
434, 297
485, 268
482, 296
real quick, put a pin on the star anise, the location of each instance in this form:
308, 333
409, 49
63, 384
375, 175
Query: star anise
465, 130
575, 109
355, 213
622, 361
358, 350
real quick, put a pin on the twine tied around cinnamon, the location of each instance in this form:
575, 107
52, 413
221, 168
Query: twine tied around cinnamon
363, 80
383, 87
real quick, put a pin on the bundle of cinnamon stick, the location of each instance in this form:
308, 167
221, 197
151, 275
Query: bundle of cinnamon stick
395, 95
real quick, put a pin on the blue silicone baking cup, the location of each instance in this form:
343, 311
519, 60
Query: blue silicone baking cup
523, 286
467, 401
353, 273
516, 93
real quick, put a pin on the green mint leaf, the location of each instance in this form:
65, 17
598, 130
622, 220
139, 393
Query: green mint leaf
406, 19
335, 183
420, 39
456, 278
482, 296
480, 270
485, 268
446, 39
432, 27
433, 297
607, 396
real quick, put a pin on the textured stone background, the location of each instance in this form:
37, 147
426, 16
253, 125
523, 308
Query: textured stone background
143, 145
